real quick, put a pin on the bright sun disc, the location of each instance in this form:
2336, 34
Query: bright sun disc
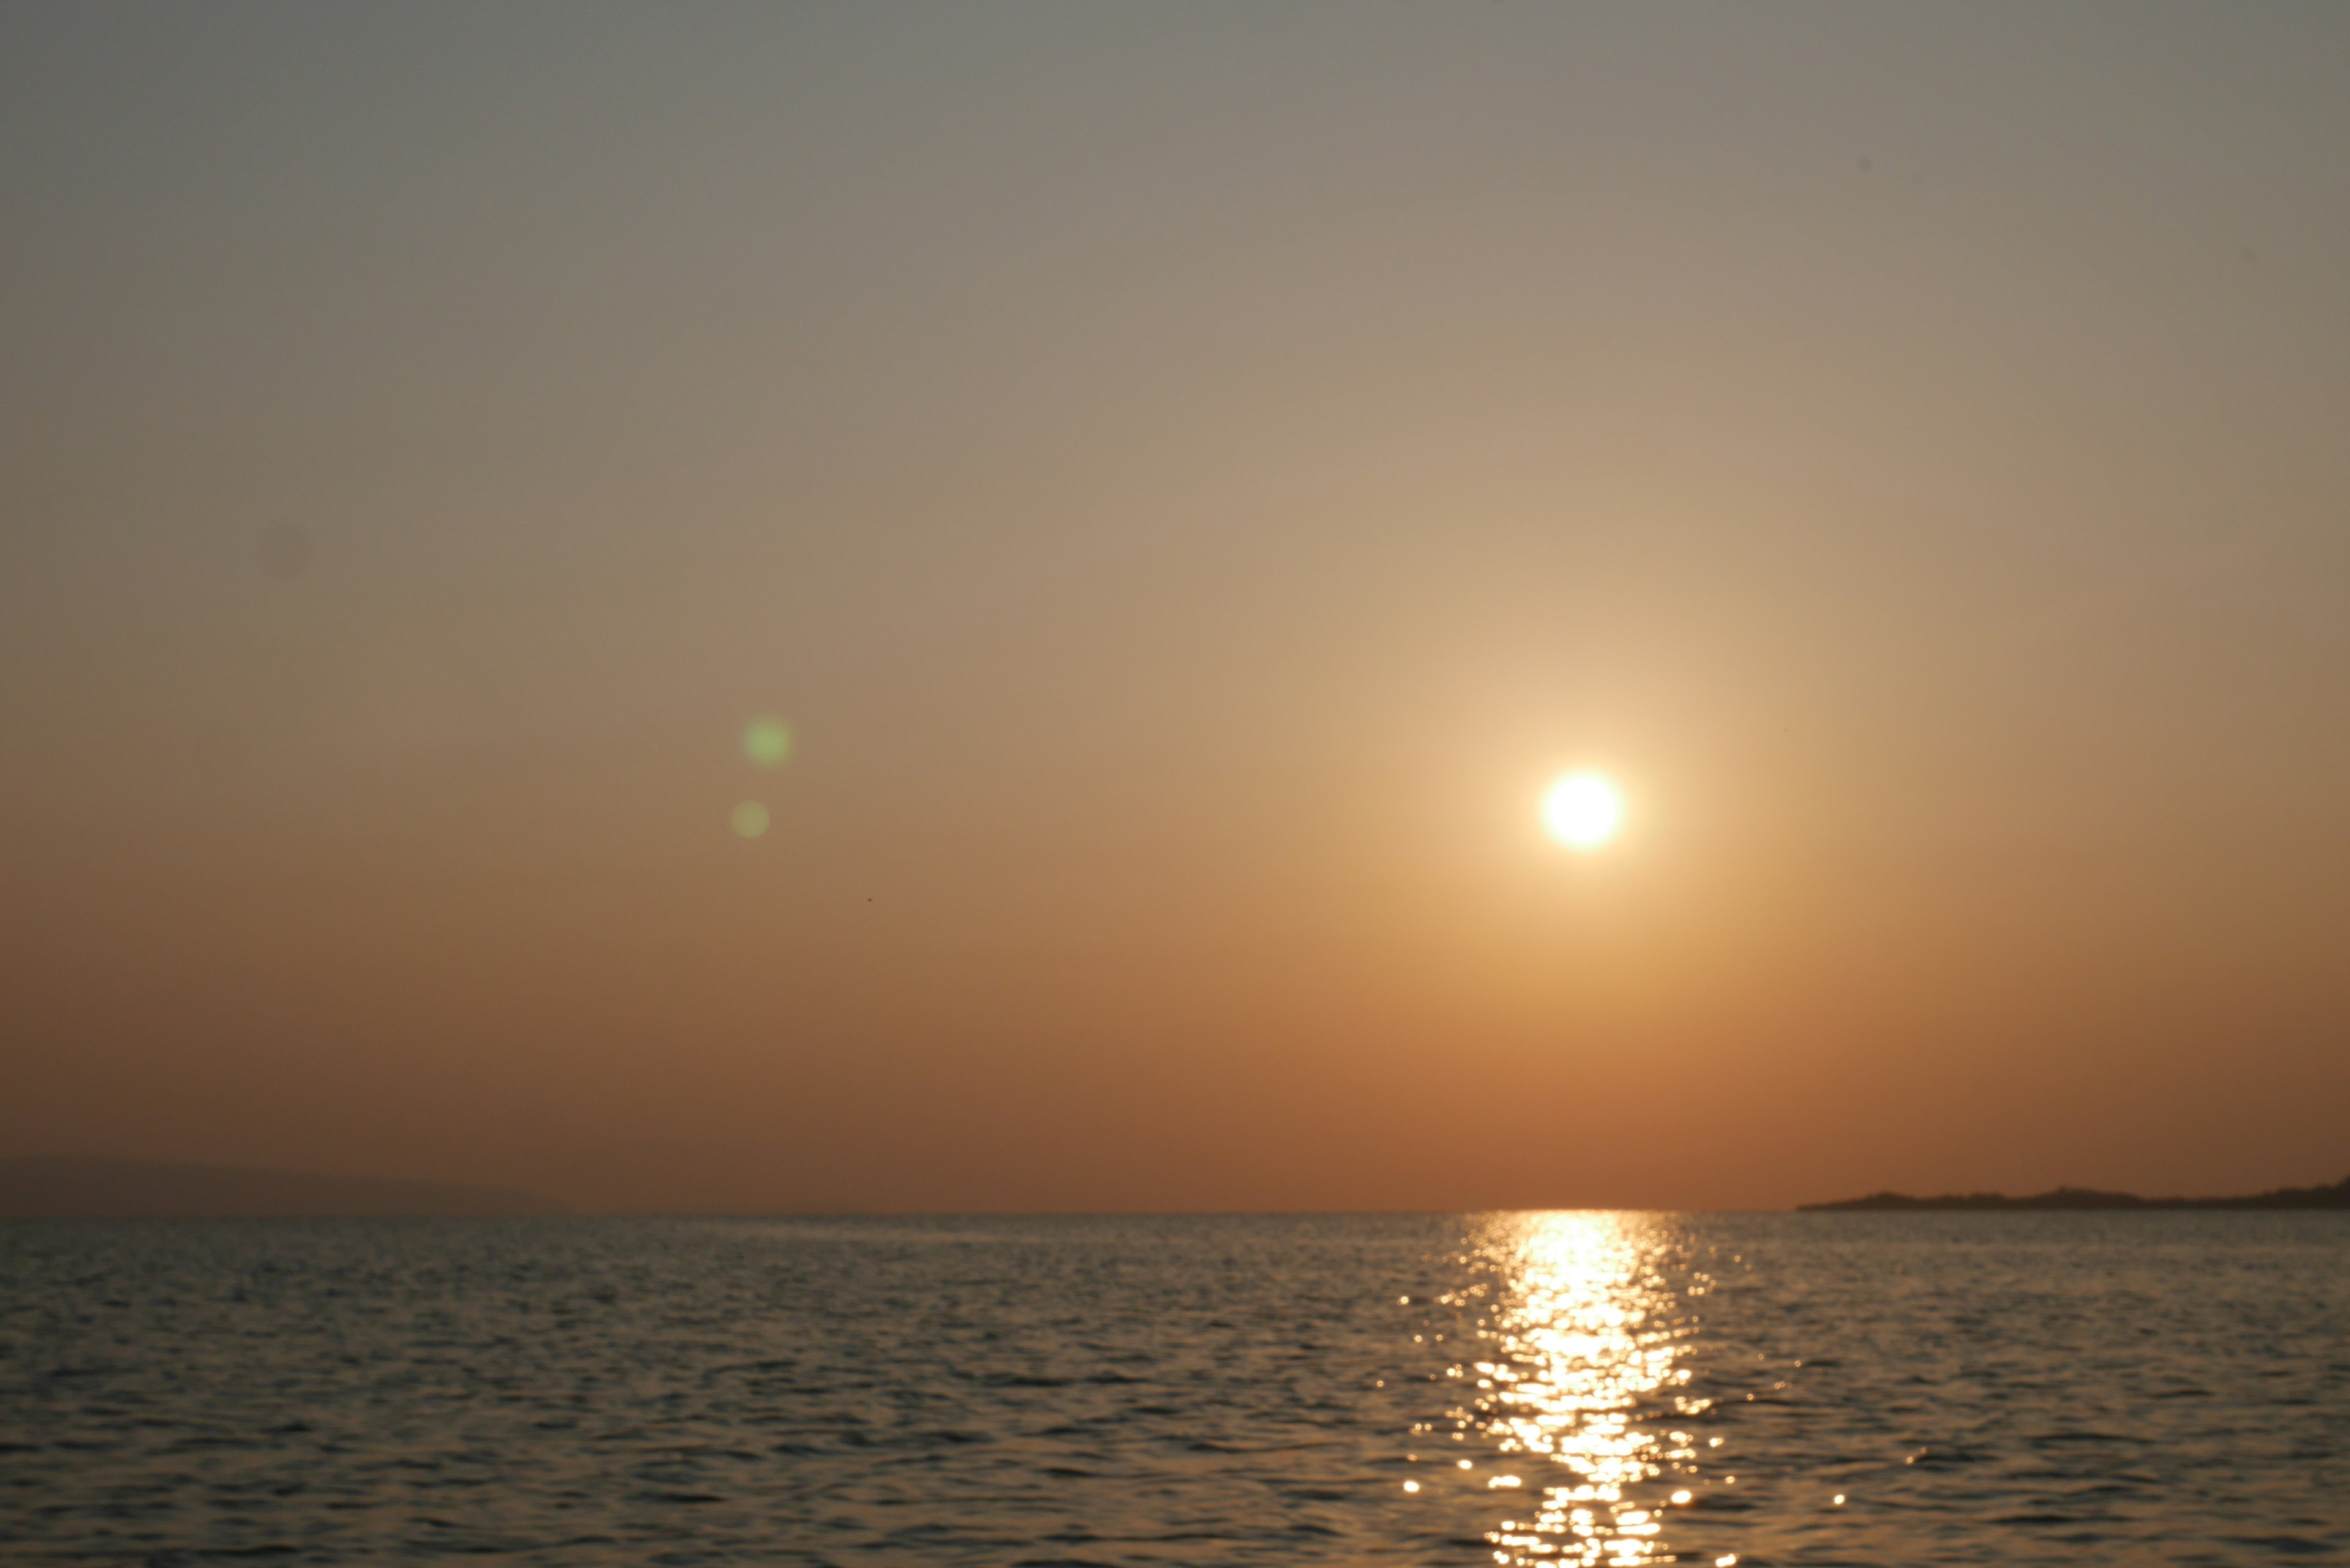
1583, 811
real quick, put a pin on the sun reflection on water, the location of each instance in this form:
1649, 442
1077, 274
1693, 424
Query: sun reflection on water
1583, 1332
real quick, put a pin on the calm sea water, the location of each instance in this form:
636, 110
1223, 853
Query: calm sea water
1539, 1389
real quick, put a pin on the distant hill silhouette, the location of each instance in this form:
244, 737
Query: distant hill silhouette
71, 1188
2334, 1197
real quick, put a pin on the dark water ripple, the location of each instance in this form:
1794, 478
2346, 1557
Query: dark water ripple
1556, 1390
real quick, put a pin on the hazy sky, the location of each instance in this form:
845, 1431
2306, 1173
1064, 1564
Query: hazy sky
1187, 476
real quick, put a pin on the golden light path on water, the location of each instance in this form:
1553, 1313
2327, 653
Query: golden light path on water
1582, 1380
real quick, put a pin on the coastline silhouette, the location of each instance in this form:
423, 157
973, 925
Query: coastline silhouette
2334, 1197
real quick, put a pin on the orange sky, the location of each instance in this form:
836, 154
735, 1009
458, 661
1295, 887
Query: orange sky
1189, 477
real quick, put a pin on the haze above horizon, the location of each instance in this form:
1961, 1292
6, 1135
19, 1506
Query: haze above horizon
883, 608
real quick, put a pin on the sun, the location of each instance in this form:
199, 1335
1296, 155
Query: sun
1583, 811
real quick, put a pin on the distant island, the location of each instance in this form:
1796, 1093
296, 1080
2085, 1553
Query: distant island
75, 1187
2334, 1197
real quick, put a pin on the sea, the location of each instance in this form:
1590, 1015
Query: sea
1550, 1389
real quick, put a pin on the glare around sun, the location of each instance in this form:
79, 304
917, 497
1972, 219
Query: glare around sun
1583, 811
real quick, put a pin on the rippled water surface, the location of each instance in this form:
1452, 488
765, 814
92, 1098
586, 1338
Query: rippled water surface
1541, 1388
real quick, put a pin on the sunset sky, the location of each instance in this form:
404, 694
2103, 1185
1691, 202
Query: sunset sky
1189, 478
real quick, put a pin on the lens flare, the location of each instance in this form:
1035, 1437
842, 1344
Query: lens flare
767, 742
751, 819
1583, 811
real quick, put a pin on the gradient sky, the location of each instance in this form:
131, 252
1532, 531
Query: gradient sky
1189, 476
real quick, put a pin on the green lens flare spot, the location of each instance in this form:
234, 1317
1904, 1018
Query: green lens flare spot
751, 819
766, 743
